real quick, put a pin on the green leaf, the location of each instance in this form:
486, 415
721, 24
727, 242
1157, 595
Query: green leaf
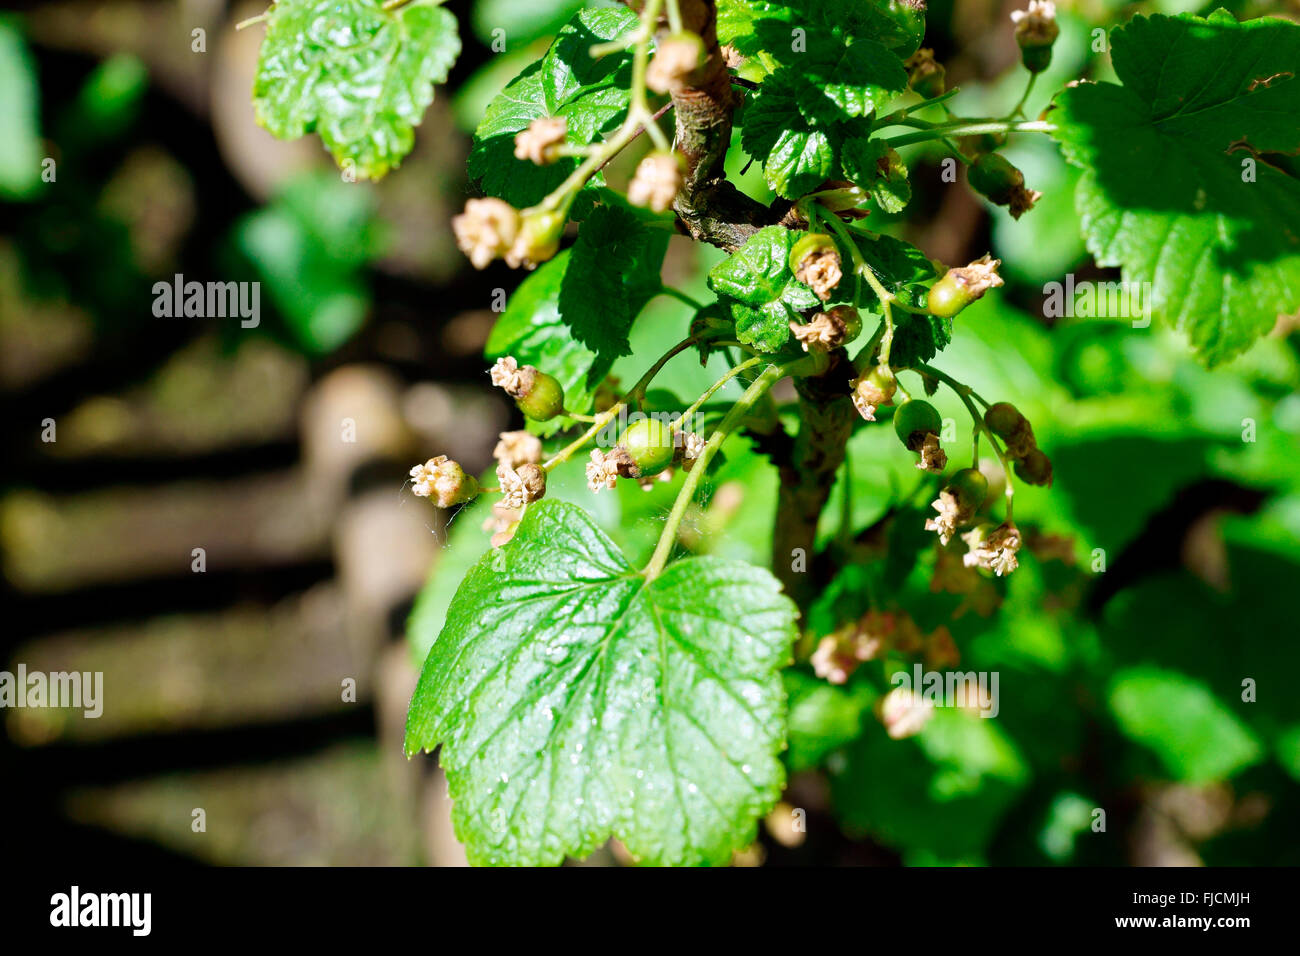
591, 95
1195, 736
1164, 194
767, 296
873, 165
752, 26
902, 268
835, 78
571, 317
20, 140
796, 156
613, 274
357, 74
574, 700
311, 245
823, 717
942, 792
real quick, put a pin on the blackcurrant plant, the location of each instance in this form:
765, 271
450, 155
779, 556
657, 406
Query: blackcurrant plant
577, 696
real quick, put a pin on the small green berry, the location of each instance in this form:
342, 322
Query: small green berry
1004, 419
969, 487
544, 399
914, 420
810, 243
649, 444
992, 176
1035, 468
947, 297
1036, 58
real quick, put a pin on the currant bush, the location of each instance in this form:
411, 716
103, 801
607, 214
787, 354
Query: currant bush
577, 694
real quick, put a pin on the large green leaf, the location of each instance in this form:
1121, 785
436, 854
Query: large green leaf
767, 296
576, 700
591, 95
1164, 192
357, 74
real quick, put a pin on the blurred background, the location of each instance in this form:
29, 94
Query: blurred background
220, 524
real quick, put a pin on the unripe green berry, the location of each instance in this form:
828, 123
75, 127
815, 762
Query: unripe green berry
544, 400
969, 487
992, 176
649, 444
1004, 419
914, 420
1036, 58
1035, 468
807, 245
947, 297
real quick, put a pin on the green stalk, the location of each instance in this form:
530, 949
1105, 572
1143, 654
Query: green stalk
766, 379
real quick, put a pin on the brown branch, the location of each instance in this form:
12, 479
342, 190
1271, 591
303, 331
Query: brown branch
709, 208
826, 419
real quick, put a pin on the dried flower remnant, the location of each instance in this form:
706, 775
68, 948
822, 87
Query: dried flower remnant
657, 180
539, 141
677, 57
444, 481
521, 486
517, 448
486, 230
993, 549
904, 712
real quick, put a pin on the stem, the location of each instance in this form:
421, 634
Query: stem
964, 392
960, 388
1020, 104
674, 17
712, 390
637, 393
862, 268
766, 379
568, 451
902, 117
967, 128
681, 296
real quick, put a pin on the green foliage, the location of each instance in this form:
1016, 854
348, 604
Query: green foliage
590, 95
1165, 192
572, 316
20, 156
764, 294
574, 699
310, 247
357, 74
